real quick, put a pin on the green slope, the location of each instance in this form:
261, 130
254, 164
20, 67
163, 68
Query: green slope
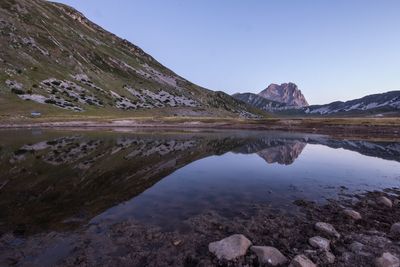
55, 61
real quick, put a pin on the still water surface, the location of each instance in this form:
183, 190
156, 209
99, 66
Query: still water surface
61, 180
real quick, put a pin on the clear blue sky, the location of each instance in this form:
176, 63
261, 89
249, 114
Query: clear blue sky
333, 50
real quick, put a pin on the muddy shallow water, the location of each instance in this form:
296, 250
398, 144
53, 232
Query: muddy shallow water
133, 198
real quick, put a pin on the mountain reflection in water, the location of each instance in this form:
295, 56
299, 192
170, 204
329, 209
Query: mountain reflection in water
60, 180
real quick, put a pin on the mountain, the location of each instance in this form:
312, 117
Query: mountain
55, 61
287, 93
384, 104
388, 102
259, 101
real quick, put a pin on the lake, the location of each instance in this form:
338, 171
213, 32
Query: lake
66, 181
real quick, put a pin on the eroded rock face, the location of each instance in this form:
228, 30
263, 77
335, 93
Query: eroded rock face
302, 261
269, 255
287, 93
230, 248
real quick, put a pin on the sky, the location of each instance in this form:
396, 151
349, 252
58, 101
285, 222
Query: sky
333, 50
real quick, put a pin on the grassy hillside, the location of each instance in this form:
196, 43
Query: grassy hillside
55, 61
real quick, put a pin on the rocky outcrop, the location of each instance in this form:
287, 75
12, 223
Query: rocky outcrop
287, 93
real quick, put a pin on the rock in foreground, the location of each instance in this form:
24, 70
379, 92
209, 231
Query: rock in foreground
302, 261
387, 260
231, 247
319, 242
352, 214
395, 230
269, 255
327, 229
385, 202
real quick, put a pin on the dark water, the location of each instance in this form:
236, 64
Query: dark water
64, 180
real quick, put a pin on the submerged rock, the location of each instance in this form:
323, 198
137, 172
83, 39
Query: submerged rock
269, 255
327, 229
319, 242
387, 260
385, 201
302, 261
352, 214
231, 247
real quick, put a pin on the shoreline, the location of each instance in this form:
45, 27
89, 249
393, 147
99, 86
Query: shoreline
387, 128
354, 241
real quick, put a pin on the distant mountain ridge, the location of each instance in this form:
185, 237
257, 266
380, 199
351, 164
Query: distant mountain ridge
375, 105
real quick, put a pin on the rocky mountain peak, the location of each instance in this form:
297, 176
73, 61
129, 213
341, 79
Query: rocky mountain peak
287, 93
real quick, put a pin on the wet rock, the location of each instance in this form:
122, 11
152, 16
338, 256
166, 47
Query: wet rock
356, 247
231, 247
269, 255
302, 261
385, 201
319, 242
395, 230
352, 214
327, 229
387, 260
396, 202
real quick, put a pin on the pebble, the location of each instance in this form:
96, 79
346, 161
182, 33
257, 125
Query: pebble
269, 255
302, 261
319, 242
231, 247
387, 260
352, 214
385, 201
327, 229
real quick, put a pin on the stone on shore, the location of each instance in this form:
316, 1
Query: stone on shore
302, 261
352, 214
385, 201
269, 255
395, 230
231, 247
387, 260
327, 229
328, 257
319, 242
